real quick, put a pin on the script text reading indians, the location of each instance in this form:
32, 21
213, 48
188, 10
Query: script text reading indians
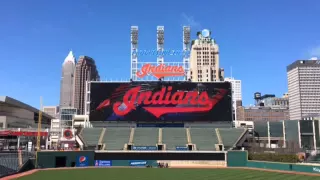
160, 71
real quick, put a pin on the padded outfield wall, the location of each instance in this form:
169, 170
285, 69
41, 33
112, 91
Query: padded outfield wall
240, 159
51, 159
48, 159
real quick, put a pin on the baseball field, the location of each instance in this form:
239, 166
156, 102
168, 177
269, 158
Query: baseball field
162, 174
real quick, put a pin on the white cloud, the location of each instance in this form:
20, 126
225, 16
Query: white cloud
315, 52
190, 21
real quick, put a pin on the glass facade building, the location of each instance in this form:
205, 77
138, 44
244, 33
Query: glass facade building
66, 116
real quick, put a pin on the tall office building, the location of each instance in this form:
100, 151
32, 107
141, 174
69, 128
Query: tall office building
66, 88
304, 88
204, 59
51, 110
236, 94
86, 70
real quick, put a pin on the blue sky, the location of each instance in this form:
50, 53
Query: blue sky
257, 38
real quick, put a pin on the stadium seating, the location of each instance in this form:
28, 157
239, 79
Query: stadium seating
204, 138
230, 136
91, 136
145, 136
115, 138
173, 137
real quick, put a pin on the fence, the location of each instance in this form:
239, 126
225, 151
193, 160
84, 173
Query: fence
12, 161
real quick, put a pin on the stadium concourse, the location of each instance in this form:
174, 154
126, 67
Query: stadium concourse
19, 124
18, 130
16, 114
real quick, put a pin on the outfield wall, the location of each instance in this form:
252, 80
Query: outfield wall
240, 159
48, 159
52, 159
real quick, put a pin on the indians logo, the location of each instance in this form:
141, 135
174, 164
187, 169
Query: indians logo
82, 159
154, 102
160, 71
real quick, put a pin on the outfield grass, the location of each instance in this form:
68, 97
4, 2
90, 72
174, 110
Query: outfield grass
161, 174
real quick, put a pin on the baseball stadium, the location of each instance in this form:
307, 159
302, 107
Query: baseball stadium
160, 130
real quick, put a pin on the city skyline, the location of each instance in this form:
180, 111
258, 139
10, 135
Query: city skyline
257, 40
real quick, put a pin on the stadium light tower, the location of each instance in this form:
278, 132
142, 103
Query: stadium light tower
134, 50
160, 44
186, 50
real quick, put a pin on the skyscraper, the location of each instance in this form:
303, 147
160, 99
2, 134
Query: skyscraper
67, 85
204, 59
86, 70
304, 89
236, 94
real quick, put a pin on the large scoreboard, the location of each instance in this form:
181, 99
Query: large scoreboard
160, 101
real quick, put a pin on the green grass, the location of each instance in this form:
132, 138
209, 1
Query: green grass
162, 174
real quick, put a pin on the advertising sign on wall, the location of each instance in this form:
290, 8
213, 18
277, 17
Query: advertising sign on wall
82, 161
137, 163
181, 148
145, 148
103, 163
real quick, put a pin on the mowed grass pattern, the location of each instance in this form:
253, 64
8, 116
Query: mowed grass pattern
162, 174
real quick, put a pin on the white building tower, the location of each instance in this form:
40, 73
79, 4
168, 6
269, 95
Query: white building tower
236, 94
67, 78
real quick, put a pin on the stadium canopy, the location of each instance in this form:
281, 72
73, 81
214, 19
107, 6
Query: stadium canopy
10, 102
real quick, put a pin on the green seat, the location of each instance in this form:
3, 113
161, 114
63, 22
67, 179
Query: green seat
174, 137
115, 137
91, 136
145, 136
204, 138
230, 136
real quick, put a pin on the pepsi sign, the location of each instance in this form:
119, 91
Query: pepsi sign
82, 161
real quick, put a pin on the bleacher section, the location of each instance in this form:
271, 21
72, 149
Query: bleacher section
204, 138
115, 138
145, 136
230, 136
174, 137
91, 136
